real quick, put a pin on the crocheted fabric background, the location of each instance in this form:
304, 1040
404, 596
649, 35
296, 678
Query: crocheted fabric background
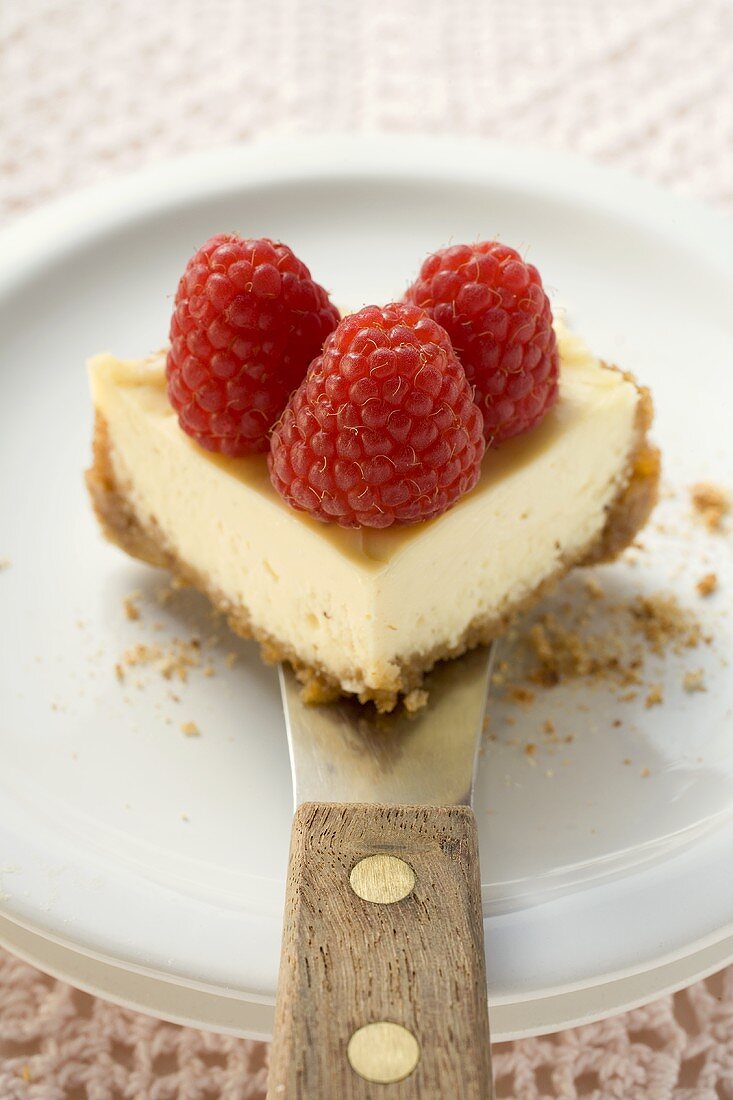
93, 89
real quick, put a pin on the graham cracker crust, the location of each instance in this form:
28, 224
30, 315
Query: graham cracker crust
141, 538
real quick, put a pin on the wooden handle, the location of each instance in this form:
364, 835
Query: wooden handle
382, 989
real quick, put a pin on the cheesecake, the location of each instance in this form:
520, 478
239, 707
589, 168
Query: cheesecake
363, 610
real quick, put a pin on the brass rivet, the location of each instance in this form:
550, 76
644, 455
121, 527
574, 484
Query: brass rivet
383, 1052
382, 878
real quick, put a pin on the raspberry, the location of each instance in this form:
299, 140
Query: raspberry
383, 429
248, 319
492, 305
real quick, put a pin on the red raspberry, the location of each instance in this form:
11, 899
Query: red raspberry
383, 429
248, 320
492, 305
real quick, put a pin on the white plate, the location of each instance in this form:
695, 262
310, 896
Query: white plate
122, 838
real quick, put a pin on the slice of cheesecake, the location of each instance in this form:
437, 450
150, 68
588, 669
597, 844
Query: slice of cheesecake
369, 611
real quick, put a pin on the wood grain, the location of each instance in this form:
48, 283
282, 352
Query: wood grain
347, 962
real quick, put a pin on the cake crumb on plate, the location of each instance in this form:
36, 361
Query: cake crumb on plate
130, 606
593, 588
707, 584
694, 680
655, 697
665, 623
711, 503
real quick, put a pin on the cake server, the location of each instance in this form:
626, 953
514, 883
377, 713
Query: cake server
382, 989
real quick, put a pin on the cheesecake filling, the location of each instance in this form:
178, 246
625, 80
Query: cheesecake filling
363, 605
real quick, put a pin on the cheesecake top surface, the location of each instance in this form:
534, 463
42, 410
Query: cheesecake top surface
586, 385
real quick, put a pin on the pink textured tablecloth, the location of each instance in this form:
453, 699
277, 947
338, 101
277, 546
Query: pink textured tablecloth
90, 89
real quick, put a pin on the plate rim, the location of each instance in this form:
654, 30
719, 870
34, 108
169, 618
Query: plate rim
552, 1013
75, 218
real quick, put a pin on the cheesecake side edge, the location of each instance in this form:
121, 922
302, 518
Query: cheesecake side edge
638, 492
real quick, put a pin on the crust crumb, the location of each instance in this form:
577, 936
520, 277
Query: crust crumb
707, 584
694, 680
621, 646
190, 729
315, 690
664, 623
522, 695
593, 588
172, 662
561, 653
130, 606
415, 700
271, 653
711, 504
